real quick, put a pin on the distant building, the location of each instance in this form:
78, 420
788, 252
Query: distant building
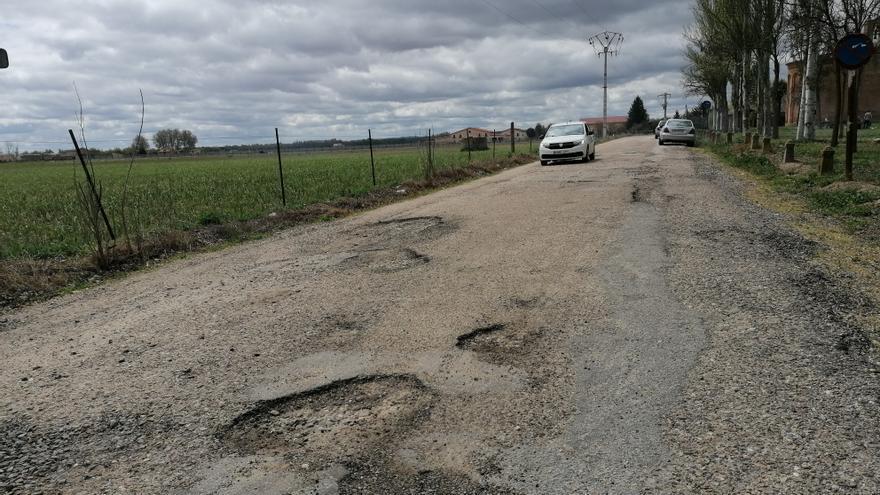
501, 135
616, 123
518, 134
474, 132
869, 93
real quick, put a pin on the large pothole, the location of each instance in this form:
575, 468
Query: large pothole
403, 230
388, 260
504, 344
341, 421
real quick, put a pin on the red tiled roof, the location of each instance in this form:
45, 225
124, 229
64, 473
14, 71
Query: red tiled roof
616, 119
472, 129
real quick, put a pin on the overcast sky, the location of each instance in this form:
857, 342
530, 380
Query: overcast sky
232, 71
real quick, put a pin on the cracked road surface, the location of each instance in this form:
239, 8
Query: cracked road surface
630, 325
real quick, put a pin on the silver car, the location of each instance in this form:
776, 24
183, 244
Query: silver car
678, 131
659, 128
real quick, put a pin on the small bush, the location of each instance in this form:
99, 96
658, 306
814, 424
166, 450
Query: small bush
476, 144
852, 203
210, 218
756, 164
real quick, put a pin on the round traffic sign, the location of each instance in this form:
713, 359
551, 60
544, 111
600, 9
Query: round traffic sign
854, 50
706, 105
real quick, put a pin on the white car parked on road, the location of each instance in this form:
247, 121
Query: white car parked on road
566, 142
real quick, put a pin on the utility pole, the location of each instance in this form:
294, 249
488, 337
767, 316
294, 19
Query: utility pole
607, 43
665, 97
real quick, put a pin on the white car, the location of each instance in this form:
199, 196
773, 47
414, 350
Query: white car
566, 142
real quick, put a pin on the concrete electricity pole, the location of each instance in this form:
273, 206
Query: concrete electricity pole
607, 43
665, 97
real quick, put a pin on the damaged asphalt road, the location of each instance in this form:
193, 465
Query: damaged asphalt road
630, 325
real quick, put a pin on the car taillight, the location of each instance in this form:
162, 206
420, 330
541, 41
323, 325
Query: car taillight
692, 131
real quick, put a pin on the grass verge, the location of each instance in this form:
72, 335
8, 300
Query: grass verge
27, 279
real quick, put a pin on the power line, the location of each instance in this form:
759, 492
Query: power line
605, 44
546, 9
509, 16
554, 14
512, 17
580, 6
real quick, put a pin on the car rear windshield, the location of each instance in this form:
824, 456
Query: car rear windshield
679, 123
565, 130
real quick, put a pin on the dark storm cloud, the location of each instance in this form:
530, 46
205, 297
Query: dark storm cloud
325, 69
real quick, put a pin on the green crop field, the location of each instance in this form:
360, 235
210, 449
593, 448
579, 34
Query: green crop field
40, 214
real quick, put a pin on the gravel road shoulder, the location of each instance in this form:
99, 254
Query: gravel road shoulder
784, 399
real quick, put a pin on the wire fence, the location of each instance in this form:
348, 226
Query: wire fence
40, 215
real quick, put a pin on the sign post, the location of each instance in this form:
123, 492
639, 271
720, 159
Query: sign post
852, 52
705, 107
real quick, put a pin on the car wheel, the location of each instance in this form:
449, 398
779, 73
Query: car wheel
691, 145
544, 163
660, 141
593, 154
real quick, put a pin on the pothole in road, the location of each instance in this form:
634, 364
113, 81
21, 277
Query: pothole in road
503, 344
479, 338
403, 230
636, 194
389, 260
6, 324
341, 421
641, 171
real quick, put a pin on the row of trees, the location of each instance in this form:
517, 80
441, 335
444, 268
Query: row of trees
173, 140
734, 52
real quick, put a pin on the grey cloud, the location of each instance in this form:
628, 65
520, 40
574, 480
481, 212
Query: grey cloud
319, 69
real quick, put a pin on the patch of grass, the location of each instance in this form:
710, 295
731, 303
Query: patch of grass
39, 211
27, 278
211, 218
845, 203
854, 209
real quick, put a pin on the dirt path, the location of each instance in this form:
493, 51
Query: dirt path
629, 325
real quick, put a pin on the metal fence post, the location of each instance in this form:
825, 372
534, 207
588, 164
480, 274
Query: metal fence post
512, 140
280, 168
372, 161
91, 181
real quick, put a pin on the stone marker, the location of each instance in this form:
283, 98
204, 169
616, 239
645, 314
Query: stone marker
767, 148
749, 139
826, 167
788, 157
756, 142
729, 138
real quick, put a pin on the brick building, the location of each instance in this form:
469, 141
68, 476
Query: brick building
518, 134
869, 93
473, 132
616, 123
502, 135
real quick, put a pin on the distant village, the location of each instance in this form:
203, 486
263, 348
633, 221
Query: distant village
11, 153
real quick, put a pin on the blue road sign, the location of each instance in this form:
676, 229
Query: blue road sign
854, 51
